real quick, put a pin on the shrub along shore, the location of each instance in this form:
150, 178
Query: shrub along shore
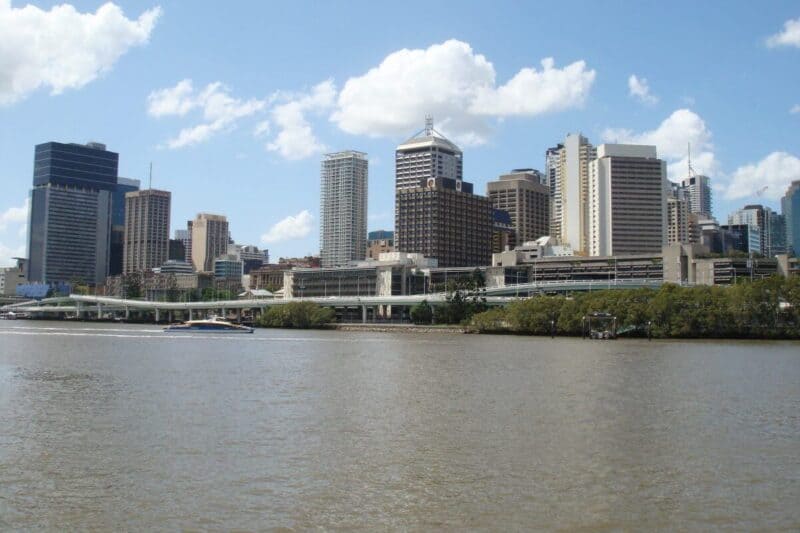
764, 309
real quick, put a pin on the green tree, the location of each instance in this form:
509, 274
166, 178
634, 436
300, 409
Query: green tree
421, 313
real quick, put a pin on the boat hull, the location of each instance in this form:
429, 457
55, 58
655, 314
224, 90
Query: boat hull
202, 329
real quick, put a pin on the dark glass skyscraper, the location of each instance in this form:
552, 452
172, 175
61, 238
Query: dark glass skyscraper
70, 219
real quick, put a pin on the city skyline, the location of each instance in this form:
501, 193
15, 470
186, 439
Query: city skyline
203, 118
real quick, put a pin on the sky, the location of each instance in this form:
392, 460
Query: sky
235, 103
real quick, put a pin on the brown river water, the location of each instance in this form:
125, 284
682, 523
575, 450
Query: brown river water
124, 427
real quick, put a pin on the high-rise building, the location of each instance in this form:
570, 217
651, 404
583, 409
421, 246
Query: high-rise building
146, 230
124, 186
680, 225
445, 221
698, 191
522, 194
790, 208
771, 227
69, 234
185, 236
343, 208
428, 154
678, 222
209, 240
627, 200
568, 170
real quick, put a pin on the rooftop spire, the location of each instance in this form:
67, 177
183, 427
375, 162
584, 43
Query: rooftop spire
428, 125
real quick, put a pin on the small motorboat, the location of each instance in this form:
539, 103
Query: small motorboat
209, 325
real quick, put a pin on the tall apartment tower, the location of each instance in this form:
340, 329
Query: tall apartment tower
146, 230
69, 232
445, 221
209, 240
522, 194
343, 208
698, 190
568, 172
627, 208
790, 209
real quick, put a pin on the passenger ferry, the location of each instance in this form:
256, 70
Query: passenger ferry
209, 325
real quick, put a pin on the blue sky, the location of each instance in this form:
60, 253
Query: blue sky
234, 105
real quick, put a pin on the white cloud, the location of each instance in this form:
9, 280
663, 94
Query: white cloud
531, 92
640, 89
176, 100
457, 87
296, 139
15, 215
292, 227
672, 138
795, 109
7, 252
63, 48
262, 128
790, 36
220, 110
775, 172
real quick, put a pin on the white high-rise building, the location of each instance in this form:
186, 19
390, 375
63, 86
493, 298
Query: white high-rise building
698, 191
628, 188
568, 174
343, 208
428, 154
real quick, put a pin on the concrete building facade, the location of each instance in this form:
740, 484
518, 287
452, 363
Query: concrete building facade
445, 221
568, 172
522, 194
147, 216
627, 200
343, 207
209, 240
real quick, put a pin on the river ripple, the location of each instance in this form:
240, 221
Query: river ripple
120, 427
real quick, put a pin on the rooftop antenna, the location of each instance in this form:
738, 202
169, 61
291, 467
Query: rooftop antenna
150, 183
428, 125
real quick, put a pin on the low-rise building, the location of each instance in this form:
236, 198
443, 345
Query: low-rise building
12, 277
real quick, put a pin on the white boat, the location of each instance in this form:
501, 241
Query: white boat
209, 325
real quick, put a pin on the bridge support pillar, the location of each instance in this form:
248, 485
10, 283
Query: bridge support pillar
239, 314
127, 313
190, 313
169, 317
99, 311
363, 314
78, 310
158, 315
224, 313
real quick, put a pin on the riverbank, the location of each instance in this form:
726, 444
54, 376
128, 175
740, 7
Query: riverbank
399, 328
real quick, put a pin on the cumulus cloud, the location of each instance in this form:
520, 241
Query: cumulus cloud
62, 48
457, 86
292, 227
220, 111
15, 215
9, 252
296, 139
639, 88
773, 175
672, 138
790, 36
